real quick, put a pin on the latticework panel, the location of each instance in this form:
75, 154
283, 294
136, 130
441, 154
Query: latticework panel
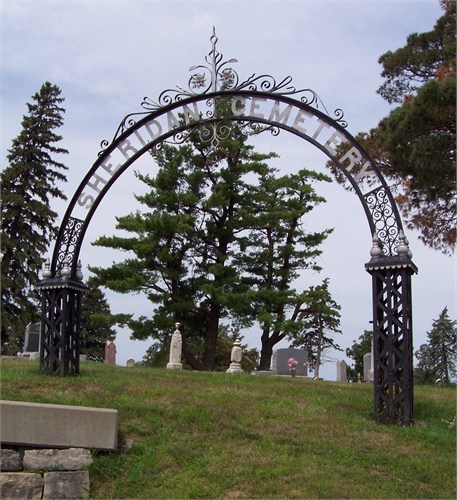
60, 323
393, 362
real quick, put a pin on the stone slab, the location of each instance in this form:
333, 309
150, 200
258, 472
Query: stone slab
262, 372
10, 460
58, 426
66, 485
21, 485
57, 460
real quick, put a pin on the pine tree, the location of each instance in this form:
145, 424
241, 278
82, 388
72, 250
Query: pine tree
195, 249
96, 324
276, 250
184, 244
319, 319
437, 358
29, 183
415, 145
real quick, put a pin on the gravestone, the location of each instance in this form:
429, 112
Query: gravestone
366, 366
371, 370
235, 357
130, 363
341, 371
110, 352
281, 357
32, 338
175, 350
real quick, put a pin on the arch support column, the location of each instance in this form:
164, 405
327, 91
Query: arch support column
60, 324
392, 338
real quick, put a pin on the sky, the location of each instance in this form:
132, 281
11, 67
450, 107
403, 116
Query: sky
106, 56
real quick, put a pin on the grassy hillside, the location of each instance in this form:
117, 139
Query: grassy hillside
214, 435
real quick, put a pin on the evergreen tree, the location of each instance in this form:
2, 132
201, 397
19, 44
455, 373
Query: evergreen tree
192, 254
415, 145
184, 245
356, 352
276, 250
29, 183
319, 319
437, 358
419, 136
96, 324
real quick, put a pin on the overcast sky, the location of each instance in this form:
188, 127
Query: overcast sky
106, 56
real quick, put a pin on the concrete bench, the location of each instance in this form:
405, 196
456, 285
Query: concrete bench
57, 426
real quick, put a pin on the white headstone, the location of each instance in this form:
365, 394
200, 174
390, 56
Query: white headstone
366, 366
175, 350
235, 358
371, 370
341, 371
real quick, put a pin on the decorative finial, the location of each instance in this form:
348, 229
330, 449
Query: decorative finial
215, 67
403, 247
213, 55
79, 274
47, 273
376, 250
66, 271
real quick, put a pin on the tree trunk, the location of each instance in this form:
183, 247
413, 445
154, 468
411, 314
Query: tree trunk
194, 363
268, 342
265, 355
209, 356
319, 349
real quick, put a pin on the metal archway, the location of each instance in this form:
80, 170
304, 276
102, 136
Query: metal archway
260, 100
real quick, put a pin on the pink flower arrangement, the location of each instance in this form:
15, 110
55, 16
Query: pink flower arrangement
292, 362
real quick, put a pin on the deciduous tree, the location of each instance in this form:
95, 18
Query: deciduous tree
356, 352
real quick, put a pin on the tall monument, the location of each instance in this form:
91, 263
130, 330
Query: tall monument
175, 350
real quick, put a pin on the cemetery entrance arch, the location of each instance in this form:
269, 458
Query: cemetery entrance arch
274, 106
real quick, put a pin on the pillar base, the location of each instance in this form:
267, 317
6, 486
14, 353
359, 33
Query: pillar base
234, 368
174, 366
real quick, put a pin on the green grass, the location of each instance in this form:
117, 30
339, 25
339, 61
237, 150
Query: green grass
214, 435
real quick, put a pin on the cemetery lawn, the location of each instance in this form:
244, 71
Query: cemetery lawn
187, 434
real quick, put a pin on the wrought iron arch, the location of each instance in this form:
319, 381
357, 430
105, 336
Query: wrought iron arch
260, 101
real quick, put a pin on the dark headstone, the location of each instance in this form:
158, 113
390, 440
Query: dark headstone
281, 358
32, 337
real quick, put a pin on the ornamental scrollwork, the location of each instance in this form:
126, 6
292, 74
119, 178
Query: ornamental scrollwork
68, 243
215, 75
384, 220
